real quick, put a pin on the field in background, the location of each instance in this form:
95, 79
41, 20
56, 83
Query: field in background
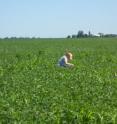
34, 90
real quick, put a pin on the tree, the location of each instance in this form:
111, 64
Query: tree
80, 33
74, 36
68, 36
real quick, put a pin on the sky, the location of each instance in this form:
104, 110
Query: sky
56, 18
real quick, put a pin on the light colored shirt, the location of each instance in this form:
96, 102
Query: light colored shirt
62, 61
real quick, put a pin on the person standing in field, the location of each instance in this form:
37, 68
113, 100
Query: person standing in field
64, 60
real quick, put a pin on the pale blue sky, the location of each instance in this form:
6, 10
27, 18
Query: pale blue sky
56, 18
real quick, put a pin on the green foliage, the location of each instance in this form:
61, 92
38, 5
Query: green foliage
33, 89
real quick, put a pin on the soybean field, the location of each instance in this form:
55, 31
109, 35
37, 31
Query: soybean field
34, 90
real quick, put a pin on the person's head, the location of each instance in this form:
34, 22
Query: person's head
69, 55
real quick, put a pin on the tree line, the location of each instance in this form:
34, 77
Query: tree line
81, 34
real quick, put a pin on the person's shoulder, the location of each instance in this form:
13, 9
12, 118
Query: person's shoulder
64, 57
